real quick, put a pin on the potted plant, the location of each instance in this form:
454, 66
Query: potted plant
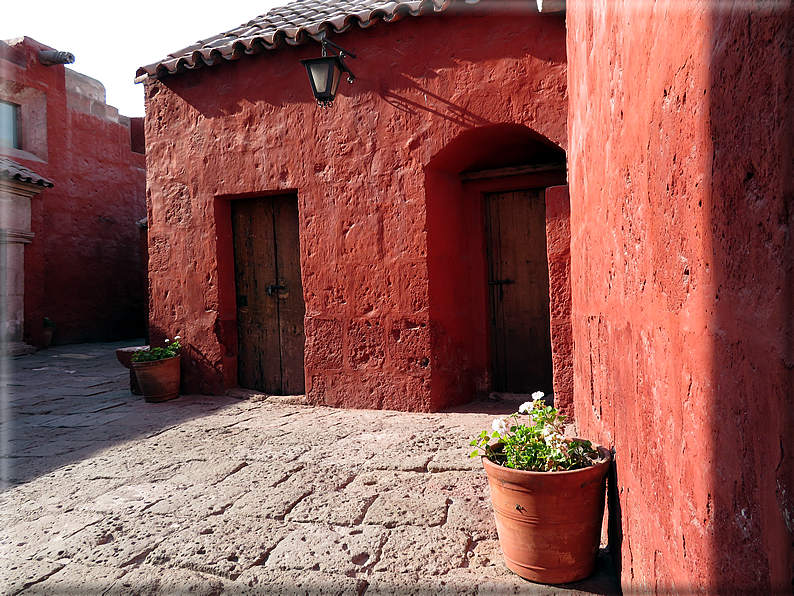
157, 371
547, 492
49, 329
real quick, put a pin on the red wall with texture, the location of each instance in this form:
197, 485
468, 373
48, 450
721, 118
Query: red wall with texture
379, 217
682, 277
83, 267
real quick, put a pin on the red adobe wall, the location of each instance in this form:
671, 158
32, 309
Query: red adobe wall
83, 267
558, 248
380, 218
682, 283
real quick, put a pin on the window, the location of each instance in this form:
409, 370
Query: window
9, 117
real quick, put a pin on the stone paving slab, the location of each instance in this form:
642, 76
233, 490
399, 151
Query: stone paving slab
17, 574
75, 578
220, 546
332, 550
408, 510
104, 493
149, 580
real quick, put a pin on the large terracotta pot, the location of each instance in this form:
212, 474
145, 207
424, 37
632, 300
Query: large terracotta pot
158, 379
549, 523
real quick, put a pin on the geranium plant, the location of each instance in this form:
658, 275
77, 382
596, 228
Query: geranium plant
170, 350
538, 444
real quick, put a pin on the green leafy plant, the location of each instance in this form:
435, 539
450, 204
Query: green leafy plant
538, 445
170, 350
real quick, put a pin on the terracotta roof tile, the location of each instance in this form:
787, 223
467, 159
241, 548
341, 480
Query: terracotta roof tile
13, 170
293, 24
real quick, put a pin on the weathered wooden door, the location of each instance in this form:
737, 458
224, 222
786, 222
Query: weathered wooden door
270, 305
519, 291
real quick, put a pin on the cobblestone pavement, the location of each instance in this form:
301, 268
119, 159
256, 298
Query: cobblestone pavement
106, 494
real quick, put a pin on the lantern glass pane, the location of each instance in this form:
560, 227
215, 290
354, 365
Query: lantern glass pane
337, 77
319, 72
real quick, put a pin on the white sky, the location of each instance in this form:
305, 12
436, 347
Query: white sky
110, 40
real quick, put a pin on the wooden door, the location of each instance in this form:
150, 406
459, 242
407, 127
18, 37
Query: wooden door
270, 305
519, 291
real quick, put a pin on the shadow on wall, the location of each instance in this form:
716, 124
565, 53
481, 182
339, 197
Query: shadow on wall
752, 218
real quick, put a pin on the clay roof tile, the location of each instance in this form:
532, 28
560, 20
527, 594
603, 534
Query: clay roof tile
14, 171
292, 24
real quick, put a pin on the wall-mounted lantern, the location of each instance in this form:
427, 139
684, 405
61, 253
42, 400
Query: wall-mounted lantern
326, 72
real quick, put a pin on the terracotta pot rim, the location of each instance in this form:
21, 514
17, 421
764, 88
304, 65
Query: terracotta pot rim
606, 454
151, 362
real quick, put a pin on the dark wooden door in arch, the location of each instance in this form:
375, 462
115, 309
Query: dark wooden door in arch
518, 280
270, 305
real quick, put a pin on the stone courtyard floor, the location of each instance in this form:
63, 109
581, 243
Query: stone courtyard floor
105, 494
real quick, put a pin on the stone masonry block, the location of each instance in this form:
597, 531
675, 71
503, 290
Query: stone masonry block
405, 234
560, 289
413, 396
562, 343
371, 289
361, 237
412, 283
558, 203
409, 345
558, 221
324, 289
360, 389
323, 344
366, 343
558, 237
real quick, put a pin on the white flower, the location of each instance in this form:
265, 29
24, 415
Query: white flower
548, 431
177, 337
525, 407
167, 341
500, 426
538, 395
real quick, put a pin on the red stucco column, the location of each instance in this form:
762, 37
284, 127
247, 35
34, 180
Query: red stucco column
558, 249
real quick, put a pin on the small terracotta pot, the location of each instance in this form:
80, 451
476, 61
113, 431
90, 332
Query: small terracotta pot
158, 379
549, 523
47, 337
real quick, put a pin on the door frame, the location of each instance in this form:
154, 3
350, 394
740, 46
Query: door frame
226, 321
514, 368
475, 191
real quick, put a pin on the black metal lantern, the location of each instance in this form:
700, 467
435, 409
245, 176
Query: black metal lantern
326, 72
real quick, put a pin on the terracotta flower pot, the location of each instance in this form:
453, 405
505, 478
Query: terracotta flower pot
549, 523
158, 379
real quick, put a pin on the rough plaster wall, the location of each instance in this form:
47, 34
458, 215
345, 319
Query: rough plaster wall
558, 248
83, 267
358, 170
680, 175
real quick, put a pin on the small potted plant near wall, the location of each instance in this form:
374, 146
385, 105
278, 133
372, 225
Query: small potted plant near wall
49, 329
157, 371
547, 492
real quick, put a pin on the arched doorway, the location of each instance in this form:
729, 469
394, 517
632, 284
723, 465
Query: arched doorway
487, 261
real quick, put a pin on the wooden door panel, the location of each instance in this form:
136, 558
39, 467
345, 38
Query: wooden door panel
519, 291
269, 319
290, 300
